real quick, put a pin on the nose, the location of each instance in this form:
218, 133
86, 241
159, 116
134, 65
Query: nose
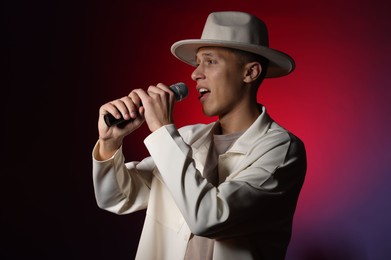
197, 74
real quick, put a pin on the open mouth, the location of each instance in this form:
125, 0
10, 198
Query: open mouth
203, 92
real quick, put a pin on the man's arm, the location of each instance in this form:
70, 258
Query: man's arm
261, 196
121, 188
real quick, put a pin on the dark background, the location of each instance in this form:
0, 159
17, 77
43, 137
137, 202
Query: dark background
54, 78
63, 59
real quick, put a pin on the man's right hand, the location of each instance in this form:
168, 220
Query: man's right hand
110, 138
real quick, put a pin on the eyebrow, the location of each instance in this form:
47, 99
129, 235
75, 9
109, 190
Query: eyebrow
206, 54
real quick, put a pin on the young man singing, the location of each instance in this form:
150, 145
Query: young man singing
224, 190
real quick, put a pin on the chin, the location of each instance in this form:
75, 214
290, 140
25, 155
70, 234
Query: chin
209, 113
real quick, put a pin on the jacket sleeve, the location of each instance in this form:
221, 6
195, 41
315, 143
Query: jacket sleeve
261, 197
121, 188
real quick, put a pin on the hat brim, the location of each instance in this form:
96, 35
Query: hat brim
280, 64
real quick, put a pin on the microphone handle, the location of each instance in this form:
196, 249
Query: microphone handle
110, 120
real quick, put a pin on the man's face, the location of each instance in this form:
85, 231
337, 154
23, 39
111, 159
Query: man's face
219, 76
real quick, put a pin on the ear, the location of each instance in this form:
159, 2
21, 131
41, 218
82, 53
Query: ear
252, 70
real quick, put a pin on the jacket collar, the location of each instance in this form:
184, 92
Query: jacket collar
256, 130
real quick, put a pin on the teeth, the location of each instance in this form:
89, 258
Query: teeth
203, 90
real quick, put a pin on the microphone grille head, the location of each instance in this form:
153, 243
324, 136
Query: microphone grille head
180, 90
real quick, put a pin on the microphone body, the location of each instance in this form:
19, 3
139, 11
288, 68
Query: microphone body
180, 90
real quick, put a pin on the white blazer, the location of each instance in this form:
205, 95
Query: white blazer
249, 214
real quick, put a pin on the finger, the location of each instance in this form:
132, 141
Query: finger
135, 98
166, 89
110, 108
123, 107
160, 93
120, 108
142, 95
132, 102
163, 87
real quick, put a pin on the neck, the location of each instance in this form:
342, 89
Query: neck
239, 120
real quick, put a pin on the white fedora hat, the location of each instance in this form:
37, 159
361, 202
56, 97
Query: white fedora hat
236, 30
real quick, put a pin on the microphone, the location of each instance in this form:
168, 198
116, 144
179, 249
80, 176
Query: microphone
180, 90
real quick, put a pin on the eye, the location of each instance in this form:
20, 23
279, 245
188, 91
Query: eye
210, 61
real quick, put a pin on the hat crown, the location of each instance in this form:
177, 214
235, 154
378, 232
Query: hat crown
236, 27
240, 31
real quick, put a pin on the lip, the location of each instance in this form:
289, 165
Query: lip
203, 95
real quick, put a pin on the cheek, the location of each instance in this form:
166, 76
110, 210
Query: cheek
228, 94
235, 75
232, 84
227, 77
228, 83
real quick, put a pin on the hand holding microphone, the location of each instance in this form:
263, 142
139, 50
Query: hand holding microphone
157, 111
180, 91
